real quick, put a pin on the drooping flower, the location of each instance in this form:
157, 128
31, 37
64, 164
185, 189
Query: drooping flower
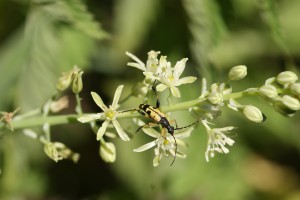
217, 140
58, 151
110, 114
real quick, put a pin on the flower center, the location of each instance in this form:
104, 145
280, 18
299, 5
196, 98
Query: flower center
110, 114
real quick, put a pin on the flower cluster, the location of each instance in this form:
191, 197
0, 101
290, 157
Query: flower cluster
162, 71
283, 92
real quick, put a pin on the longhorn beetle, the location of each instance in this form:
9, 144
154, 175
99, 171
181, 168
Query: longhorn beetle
159, 117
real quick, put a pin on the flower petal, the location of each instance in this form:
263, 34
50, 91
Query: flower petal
90, 117
102, 129
140, 65
179, 67
120, 131
117, 96
185, 80
145, 146
175, 91
161, 87
98, 101
151, 132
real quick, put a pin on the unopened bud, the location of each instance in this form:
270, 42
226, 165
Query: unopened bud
268, 91
77, 82
108, 152
253, 114
215, 98
291, 102
295, 88
286, 77
283, 109
237, 73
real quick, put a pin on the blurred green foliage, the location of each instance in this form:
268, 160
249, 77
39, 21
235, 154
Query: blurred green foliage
39, 39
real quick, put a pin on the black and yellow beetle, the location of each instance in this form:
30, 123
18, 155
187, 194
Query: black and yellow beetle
160, 118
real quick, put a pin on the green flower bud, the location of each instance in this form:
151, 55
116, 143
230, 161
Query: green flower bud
268, 91
108, 152
215, 98
253, 114
64, 81
286, 77
77, 82
291, 102
237, 73
295, 88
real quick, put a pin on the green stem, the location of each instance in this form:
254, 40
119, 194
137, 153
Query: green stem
78, 108
237, 95
40, 120
72, 118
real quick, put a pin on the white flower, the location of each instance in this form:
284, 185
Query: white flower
162, 71
110, 114
151, 69
217, 140
170, 78
165, 143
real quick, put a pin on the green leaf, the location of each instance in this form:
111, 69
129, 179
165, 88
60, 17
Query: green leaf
75, 13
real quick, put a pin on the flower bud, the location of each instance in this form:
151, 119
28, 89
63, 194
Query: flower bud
291, 102
268, 91
295, 88
286, 77
108, 152
284, 110
237, 73
77, 82
253, 114
215, 98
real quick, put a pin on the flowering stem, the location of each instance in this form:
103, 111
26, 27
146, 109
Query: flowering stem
237, 95
182, 106
21, 122
40, 120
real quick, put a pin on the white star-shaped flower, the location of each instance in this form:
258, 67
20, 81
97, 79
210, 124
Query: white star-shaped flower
170, 78
110, 114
